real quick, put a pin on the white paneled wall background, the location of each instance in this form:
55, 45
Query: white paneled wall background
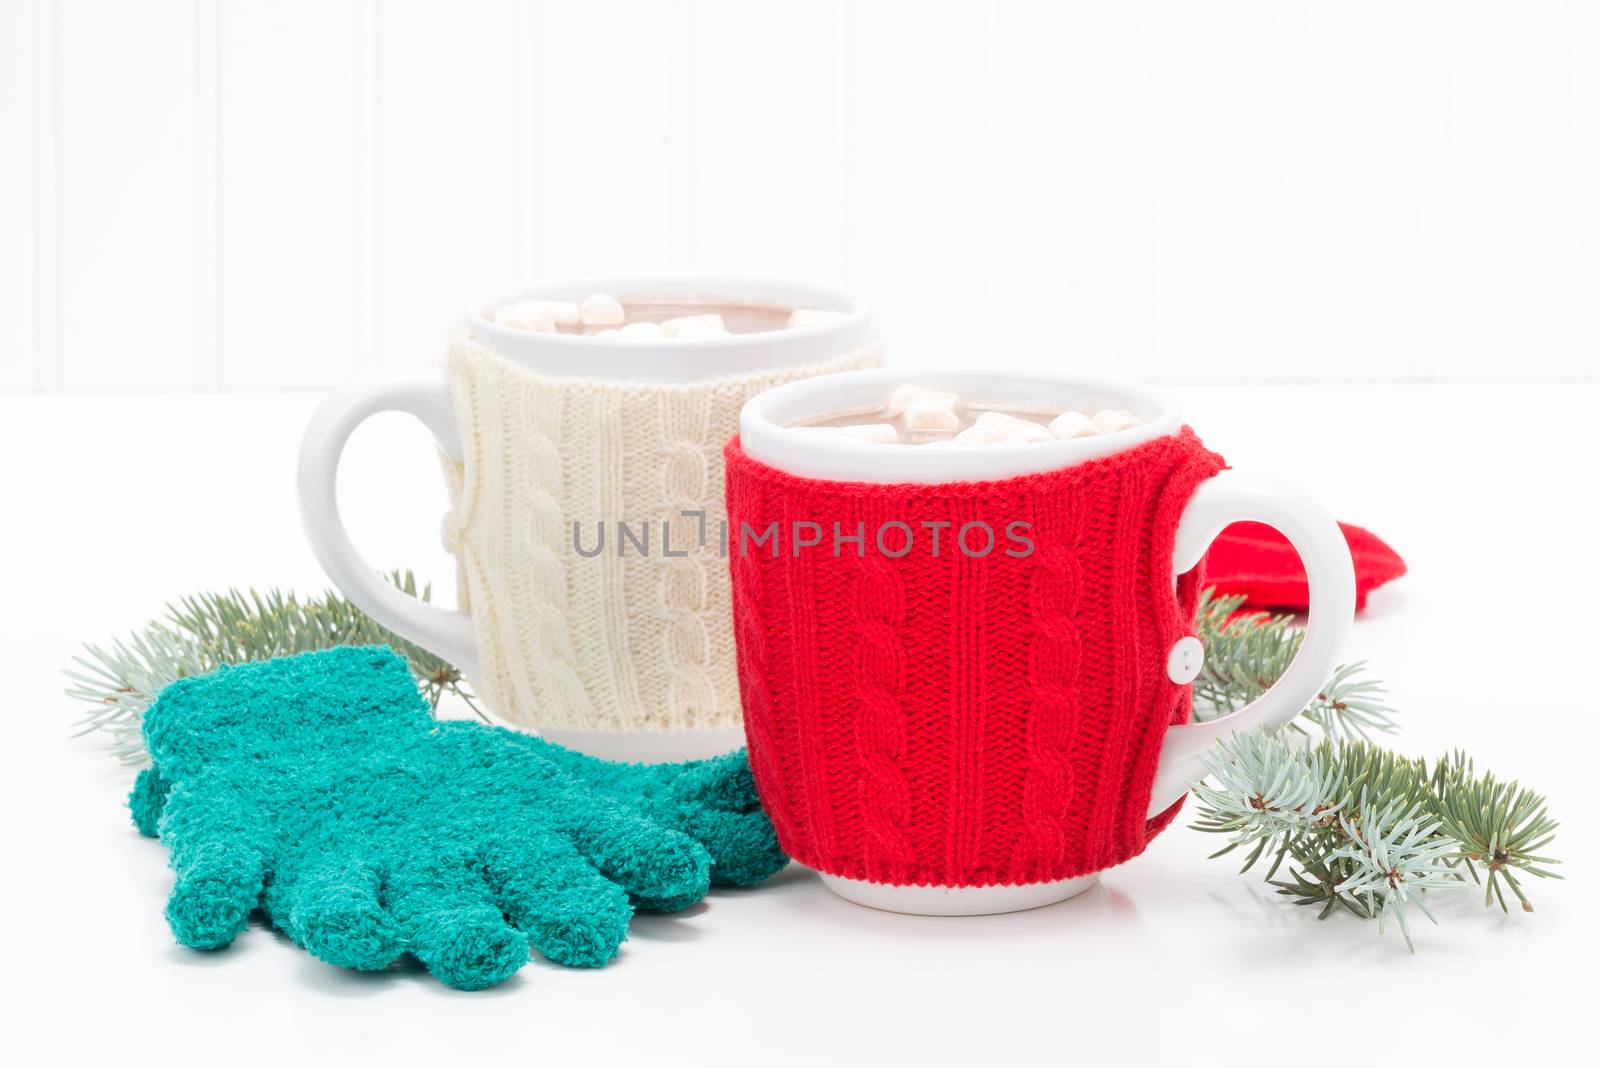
262, 194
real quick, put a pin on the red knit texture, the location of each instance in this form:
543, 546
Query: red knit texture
957, 720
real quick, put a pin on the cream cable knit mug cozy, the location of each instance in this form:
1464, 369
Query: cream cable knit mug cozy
616, 642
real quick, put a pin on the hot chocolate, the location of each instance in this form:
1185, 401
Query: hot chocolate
915, 415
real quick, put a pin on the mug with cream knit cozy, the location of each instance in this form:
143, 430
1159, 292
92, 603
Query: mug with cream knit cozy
585, 478
966, 671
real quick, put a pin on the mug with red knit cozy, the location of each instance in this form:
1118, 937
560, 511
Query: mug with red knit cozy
966, 672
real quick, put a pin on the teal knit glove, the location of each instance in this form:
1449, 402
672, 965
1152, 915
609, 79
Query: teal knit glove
318, 788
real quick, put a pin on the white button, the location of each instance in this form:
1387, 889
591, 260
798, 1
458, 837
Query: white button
1183, 663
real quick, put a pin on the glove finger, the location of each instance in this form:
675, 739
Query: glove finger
219, 873
715, 802
662, 868
454, 927
743, 846
336, 913
217, 887
570, 912
148, 800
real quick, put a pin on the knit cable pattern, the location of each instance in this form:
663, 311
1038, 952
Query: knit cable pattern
1053, 653
637, 635
965, 718
880, 721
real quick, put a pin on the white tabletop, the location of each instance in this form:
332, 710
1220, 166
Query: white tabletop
116, 505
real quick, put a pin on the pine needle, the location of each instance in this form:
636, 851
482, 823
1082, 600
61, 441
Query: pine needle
1369, 829
201, 632
1246, 652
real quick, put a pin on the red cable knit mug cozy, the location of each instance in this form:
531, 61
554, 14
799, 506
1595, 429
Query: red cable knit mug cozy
966, 671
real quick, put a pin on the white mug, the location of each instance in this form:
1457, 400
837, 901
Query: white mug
778, 712
588, 652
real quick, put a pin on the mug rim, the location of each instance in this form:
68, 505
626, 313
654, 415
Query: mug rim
767, 436
670, 359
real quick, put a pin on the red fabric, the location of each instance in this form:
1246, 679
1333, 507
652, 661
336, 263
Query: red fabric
956, 720
1253, 559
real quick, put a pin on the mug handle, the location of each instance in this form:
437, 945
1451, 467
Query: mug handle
1234, 496
421, 391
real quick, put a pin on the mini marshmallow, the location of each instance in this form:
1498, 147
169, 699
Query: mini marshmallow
977, 435
602, 309
881, 433
526, 315
690, 327
1107, 420
804, 317
1073, 425
642, 332
931, 415
902, 398
566, 312
1012, 429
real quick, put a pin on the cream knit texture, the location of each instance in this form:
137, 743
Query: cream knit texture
625, 639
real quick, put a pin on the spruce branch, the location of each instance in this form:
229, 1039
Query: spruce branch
201, 632
1346, 822
1396, 853
1355, 825
1247, 651
1500, 825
